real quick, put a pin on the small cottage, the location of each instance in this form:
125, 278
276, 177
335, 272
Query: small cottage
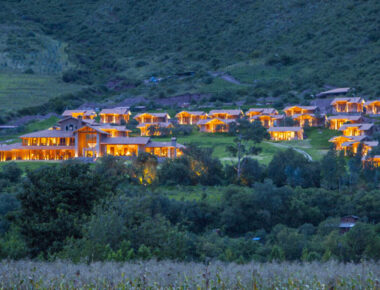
115, 115
83, 114
152, 118
335, 122
226, 114
348, 105
215, 125
372, 107
190, 117
286, 133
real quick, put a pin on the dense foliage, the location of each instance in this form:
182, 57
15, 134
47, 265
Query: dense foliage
289, 210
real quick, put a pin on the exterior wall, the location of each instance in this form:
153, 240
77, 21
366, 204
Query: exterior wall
373, 108
214, 128
188, 119
113, 118
335, 124
346, 107
147, 118
301, 121
224, 116
286, 136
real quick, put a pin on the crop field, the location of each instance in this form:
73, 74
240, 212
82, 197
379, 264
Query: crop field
18, 91
172, 275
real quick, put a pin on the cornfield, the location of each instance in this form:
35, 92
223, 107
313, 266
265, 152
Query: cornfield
172, 275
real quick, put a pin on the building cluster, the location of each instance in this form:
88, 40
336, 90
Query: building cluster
86, 133
78, 135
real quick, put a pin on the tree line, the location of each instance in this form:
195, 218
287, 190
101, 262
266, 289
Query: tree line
113, 210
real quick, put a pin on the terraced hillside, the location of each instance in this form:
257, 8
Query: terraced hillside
226, 50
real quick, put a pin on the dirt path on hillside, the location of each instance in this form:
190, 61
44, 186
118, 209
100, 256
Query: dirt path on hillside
307, 155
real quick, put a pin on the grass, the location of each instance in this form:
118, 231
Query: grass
32, 165
31, 127
18, 91
219, 143
174, 275
191, 193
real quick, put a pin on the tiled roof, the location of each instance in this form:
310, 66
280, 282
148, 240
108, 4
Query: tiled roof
195, 113
85, 112
311, 108
117, 111
109, 127
9, 147
284, 129
371, 102
345, 117
206, 121
277, 117
295, 116
352, 138
263, 111
349, 100
159, 124
230, 112
159, 115
126, 140
363, 127
334, 91
163, 144
49, 134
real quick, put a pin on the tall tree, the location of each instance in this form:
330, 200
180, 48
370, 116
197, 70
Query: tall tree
245, 134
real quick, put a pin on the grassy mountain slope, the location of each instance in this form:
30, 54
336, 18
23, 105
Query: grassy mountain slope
271, 47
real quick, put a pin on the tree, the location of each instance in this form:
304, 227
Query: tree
54, 202
143, 169
204, 168
332, 170
246, 132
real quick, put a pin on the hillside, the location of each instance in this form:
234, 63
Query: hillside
284, 49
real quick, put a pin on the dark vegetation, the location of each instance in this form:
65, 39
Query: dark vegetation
121, 212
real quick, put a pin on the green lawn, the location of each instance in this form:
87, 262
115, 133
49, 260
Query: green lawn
24, 90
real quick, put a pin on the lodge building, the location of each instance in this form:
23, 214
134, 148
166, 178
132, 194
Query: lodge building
78, 138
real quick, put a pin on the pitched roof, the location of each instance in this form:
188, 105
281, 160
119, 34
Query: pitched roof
96, 128
49, 134
371, 102
109, 127
334, 91
9, 147
85, 112
311, 108
368, 143
206, 121
363, 127
348, 138
159, 124
163, 144
345, 117
195, 113
159, 115
349, 100
116, 110
229, 112
284, 129
276, 117
295, 116
126, 140
263, 111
